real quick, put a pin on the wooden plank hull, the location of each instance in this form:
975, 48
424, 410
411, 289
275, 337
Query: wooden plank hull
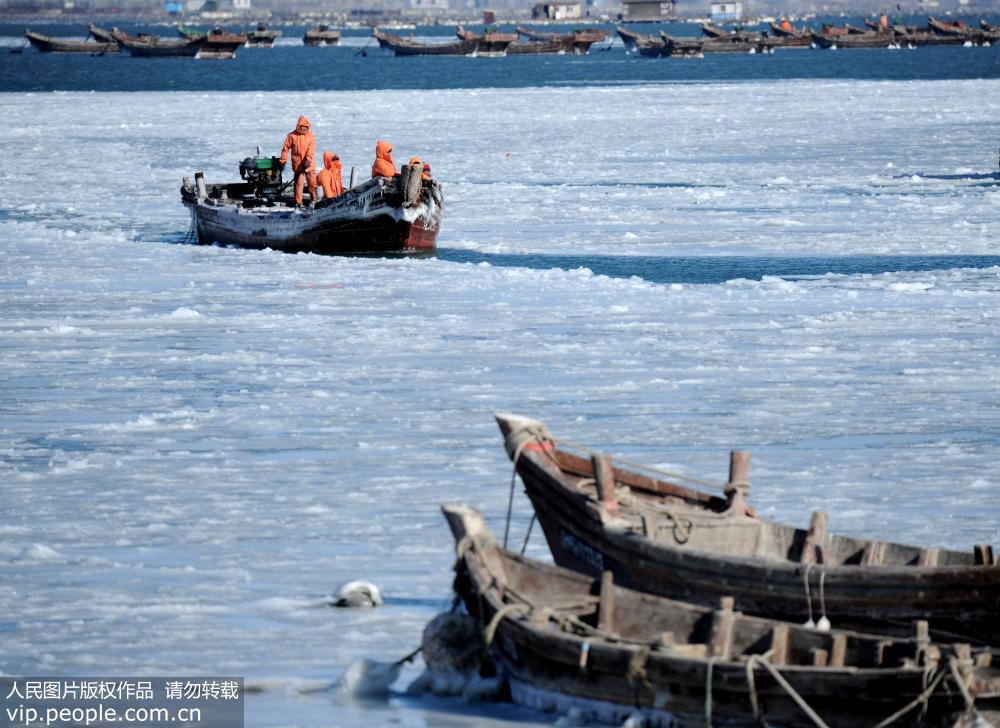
701, 551
370, 218
46, 44
562, 633
155, 47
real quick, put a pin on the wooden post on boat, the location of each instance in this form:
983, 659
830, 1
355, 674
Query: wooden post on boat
928, 557
604, 476
354, 178
409, 183
606, 606
983, 554
738, 487
812, 548
720, 642
199, 183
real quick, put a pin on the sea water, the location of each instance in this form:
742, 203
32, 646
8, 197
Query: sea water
198, 444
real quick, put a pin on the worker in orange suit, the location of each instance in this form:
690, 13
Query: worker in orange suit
384, 166
330, 177
301, 145
426, 174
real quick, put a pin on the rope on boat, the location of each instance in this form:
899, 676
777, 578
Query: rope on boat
755, 660
809, 603
920, 700
527, 536
506, 609
710, 668
533, 430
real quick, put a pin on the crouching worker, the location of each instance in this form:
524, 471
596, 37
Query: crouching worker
384, 166
301, 145
330, 177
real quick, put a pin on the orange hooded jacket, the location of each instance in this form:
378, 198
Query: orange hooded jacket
302, 146
384, 166
330, 176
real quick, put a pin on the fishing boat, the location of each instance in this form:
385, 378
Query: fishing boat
565, 639
716, 33
790, 38
649, 47
48, 44
381, 215
683, 46
100, 34
858, 40
147, 46
659, 535
262, 37
321, 35
221, 45
489, 45
631, 39
573, 43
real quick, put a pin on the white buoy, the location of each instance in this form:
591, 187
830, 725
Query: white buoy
357, 594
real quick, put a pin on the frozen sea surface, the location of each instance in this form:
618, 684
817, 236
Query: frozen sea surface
198, 444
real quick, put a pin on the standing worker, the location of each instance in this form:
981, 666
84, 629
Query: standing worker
302, 146
330, 178
384, 166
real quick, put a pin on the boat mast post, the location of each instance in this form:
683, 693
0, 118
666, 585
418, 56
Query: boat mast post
738, 487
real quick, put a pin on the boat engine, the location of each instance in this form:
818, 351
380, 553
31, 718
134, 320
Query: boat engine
263, 174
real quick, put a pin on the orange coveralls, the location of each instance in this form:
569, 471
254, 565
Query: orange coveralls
302, 146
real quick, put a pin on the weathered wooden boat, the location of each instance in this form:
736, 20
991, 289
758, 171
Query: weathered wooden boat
631, 39
682, 46
925, 38
48, 44
381, 215
790, 38
714, 32
556, 632
577, 43
594, 35
146, 46
321, 35
100, 34
649, 47
861, 40
490, 45
660, 536
221, 45
262, 37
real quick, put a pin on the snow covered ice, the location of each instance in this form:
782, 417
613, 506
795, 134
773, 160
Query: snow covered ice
198, 444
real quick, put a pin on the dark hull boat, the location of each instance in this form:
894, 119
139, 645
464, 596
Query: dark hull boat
680, 542
491, 45
261, 37
858, 40
686, 46
562, 637
47, 44
631, 39
221, 46
321, 36
152, 46
382, 215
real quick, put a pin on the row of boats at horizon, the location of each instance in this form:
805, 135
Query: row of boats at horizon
219, 43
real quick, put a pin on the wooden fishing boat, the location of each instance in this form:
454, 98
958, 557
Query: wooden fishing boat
719, 45
612, 650
649, 47
381, 215
790, 38
677, 541
716, 33
100, 34
490, 45
262, 37
48, 44
862, 40
221, 45
682, 47
577, 43
146, 46
321, 35
631, 39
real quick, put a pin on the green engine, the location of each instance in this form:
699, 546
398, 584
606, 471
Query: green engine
262, 173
